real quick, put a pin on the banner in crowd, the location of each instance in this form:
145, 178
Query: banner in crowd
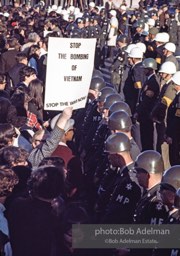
70, 65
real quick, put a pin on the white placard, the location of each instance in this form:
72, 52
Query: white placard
70, 65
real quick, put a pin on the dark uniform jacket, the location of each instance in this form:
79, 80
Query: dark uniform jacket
148, 97
125, 196
133, 84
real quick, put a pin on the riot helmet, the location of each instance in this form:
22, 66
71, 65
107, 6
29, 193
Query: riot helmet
151, 161
120, 120
116, 143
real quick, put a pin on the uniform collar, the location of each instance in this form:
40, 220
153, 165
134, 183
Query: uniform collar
150, 76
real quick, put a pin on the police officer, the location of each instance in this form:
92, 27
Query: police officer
80, 24
123, 18
139, 36
170, 194
103, 35
150, 209
103, 163
169, 50
84, 117
96, 148
160, 39
172, 28
173, 123
150, 44
120, 121
135, 79
118, 63
126, 192
109, 100
147, 99
167, 94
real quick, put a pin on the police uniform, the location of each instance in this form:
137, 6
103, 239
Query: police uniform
174, 218
122, 22
158, 113
173, 128
103, 35
160, 58
148, 97
125, 196
133, 85
105, 190
138, 38
150, 210
117, 68
173, 59
173, 30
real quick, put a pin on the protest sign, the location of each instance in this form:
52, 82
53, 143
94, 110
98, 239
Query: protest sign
69, 71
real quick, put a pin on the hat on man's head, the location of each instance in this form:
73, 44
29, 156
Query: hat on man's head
153, 31
68, 126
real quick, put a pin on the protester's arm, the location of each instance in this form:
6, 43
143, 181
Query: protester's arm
51, 143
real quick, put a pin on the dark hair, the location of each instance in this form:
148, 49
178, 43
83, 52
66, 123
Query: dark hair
32, 53
11, 155
7, 132
4, 106
12, 42
46, 182
53, 160
35, 92
8, 180
2, 78
20, 56
26, 71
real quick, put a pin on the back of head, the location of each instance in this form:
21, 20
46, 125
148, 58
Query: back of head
116, 143
151, 161
97, 83
8, 180
120, 121
47, 182
172, 176
120, 106
111, 99
7, 132
104, 92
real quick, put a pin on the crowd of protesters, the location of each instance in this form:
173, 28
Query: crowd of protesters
116, 161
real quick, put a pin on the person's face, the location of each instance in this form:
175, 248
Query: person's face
143, 179
105, 113
165, 52
69, 134
116, 160
177, 87
30, 78
130, 60
167, 197
100, 106
2, 85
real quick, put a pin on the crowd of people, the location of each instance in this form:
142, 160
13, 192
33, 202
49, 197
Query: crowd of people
116, 161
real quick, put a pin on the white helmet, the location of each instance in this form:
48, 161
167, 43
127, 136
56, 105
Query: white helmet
130, 47
161, 37
71, 8
151, 22
123, 7
170, 47
166, 37
136, 52
168, 67
54, 7
113, 13
59, 10
92, 4
176, 78
142, 46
